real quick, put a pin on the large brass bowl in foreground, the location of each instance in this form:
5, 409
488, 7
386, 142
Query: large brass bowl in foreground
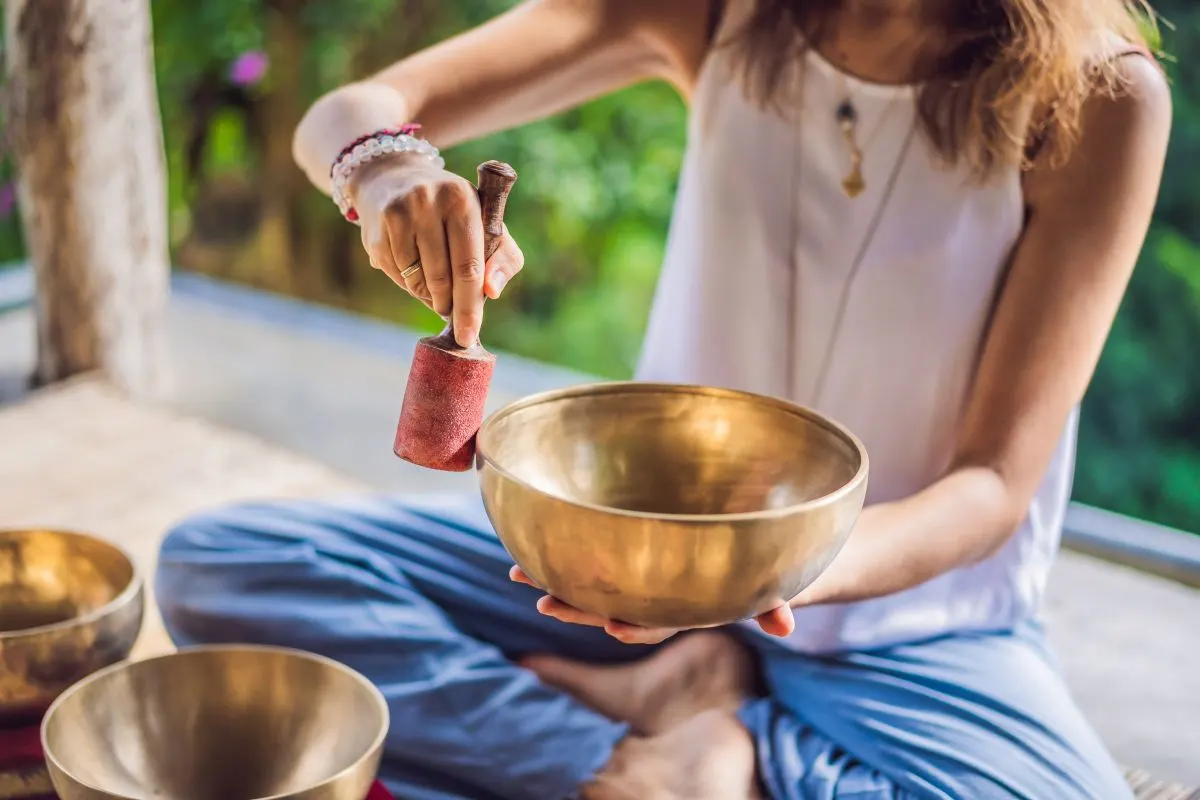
218, 723
70, 604
667, 505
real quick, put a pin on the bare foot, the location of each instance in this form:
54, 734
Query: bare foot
709, 757
701, 671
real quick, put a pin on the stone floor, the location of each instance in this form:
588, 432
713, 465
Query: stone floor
88, 460
328, 386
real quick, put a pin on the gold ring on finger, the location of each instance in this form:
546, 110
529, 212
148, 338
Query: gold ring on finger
411, 269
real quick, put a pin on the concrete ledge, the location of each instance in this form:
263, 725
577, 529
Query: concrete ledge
372, 335
1134, 543
366, 334
16, 286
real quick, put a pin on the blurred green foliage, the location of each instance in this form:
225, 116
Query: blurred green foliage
592, 206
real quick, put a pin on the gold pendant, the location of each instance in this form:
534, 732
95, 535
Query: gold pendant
853, 184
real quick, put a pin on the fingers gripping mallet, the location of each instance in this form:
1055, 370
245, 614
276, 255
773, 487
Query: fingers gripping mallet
448, 384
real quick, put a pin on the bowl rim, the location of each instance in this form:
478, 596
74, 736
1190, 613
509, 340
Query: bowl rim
482, 456
127, 594
372, 690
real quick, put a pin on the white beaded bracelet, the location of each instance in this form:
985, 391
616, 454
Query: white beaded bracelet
366, 149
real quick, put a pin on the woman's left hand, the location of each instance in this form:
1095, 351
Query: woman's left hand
776, 622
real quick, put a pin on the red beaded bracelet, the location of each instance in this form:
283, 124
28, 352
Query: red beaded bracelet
409, 129
368, 147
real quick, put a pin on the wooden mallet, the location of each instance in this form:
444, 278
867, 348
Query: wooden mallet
447, 384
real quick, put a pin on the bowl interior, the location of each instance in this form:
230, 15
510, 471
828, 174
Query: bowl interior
49, 577
677, 450
215, 724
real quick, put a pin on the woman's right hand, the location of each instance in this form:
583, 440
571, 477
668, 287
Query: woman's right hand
471, 85
411, 209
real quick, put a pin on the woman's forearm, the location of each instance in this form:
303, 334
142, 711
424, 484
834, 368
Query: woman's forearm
960, 519
537, 59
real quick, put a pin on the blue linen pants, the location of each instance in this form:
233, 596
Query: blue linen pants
415, 595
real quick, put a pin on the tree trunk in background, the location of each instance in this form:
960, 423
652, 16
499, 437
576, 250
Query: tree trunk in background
84, 126
281, 241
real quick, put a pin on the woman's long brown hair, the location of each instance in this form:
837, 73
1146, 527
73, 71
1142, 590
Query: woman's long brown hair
1016, 78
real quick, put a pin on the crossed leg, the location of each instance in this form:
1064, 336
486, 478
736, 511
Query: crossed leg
416, 597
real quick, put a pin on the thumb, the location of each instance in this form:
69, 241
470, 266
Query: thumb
502, 266
497, 279
779, 621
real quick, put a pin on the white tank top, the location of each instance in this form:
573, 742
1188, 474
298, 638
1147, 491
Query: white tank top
775, 283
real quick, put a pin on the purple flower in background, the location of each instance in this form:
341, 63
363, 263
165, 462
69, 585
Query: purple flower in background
8, 200
248, 68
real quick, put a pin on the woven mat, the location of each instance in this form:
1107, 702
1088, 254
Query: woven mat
1147, 787
81, 456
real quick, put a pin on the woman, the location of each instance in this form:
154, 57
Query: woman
918, 216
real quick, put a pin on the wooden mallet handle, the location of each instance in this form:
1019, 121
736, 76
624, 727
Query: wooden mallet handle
495, 181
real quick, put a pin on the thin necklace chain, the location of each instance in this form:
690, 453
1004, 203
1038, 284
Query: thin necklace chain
855, 266
860, 256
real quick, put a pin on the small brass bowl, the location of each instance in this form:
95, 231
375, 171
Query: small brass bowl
70, 604
666, 505
218, 723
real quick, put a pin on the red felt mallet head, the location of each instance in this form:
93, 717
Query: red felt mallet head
447, 384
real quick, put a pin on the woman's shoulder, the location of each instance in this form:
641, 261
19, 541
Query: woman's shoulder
1136, 92
1123, 128
1121, 83
1131, 65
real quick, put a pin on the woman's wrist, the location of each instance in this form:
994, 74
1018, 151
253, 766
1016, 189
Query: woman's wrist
818, 593
837, 583
338, 118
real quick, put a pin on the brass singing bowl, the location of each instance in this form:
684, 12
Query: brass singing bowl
218, 723
70, 604
669, 506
